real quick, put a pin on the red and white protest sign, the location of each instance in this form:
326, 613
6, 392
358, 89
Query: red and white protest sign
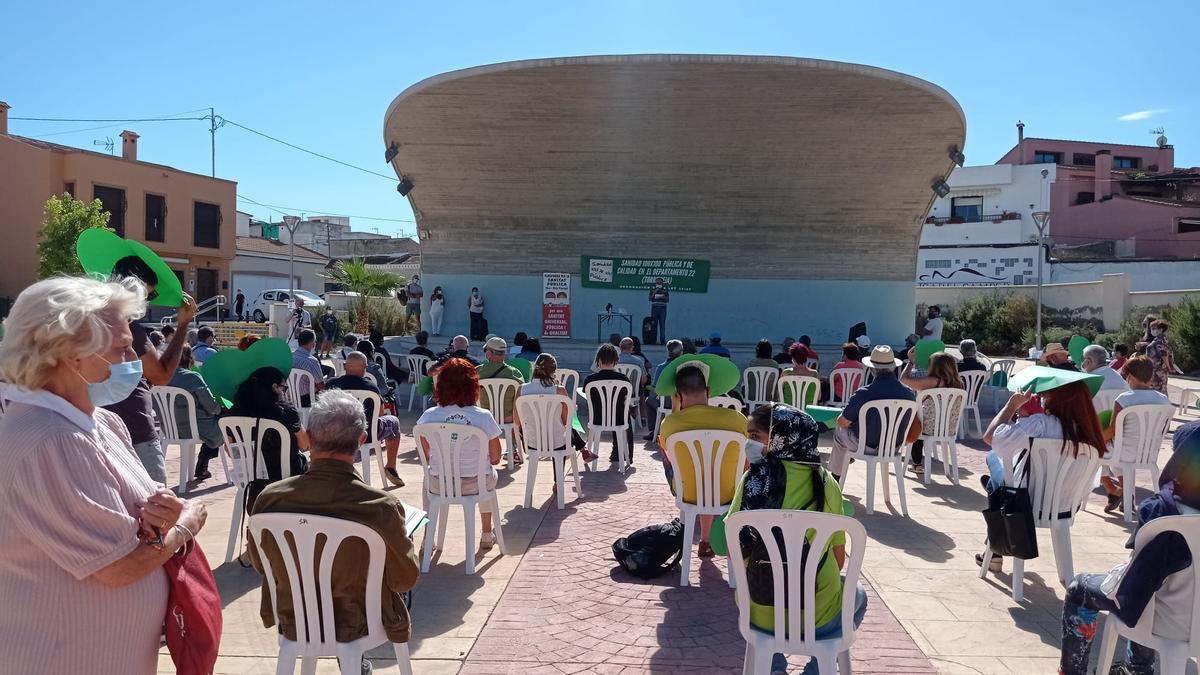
556, 305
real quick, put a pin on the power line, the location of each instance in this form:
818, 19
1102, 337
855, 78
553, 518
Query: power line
295, 209
311, 152
219, 120
119, 121
170, 117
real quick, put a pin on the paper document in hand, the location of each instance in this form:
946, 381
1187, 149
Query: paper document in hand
414, 519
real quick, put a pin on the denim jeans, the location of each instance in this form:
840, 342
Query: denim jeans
1081, 610
830, 629
659, 312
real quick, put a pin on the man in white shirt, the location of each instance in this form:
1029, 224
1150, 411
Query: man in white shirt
1095, 361
932, 330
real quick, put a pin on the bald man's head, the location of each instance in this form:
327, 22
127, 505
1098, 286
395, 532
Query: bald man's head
460, 343
356, 364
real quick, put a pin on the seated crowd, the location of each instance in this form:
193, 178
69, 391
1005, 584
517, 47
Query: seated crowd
782, 467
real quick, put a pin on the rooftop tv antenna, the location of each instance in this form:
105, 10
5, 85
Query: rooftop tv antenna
1162, 139
107, 143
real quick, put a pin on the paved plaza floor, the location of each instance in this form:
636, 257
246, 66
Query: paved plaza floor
557, 603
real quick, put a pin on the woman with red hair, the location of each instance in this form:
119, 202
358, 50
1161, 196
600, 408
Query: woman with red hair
456, 389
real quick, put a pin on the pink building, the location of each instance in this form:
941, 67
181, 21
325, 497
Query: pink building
1121, 200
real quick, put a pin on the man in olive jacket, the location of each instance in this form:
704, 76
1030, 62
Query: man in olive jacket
332, 487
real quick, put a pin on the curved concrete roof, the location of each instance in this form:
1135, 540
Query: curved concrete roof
770, 167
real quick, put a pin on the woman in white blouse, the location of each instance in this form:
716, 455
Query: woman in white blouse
84, 531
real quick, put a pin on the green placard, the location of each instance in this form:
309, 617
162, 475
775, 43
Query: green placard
681, 275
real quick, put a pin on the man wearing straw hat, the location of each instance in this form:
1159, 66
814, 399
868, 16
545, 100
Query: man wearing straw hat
849, 425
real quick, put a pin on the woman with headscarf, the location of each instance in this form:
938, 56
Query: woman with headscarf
790, 476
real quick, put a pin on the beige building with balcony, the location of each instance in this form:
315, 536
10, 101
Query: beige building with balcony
187, 218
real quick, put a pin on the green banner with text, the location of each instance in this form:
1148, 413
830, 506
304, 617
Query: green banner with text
678, 274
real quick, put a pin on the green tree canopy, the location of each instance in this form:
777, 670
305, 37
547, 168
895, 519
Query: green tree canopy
64, 219
355, 276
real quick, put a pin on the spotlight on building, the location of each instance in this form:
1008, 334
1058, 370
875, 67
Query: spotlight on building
391, 152
939, 187
956, 155
404, 187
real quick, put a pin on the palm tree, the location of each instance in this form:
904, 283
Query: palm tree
355, 276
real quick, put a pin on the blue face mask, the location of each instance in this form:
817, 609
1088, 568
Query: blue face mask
122, 379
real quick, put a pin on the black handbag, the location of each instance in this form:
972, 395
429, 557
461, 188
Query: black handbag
1009, 519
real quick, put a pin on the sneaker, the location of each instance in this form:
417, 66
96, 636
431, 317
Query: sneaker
392, 476
202, 474
994, 565
486, 541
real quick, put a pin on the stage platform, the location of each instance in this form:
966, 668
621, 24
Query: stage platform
578, 354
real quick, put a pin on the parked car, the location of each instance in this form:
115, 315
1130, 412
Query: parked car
260, 307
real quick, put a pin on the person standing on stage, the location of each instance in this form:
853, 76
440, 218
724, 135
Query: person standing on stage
659, 297
239, 305
475, 305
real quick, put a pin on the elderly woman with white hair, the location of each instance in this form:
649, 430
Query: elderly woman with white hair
84, 531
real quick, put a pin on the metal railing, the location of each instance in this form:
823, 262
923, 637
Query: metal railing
981, 218
216, 301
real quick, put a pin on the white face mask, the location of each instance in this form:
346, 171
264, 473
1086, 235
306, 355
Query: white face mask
1155, 332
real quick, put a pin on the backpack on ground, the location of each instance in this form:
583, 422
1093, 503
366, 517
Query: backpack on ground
650, 551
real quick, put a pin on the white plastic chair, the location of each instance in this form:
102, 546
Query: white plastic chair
1105, 398
707, 451
813, 364
797, 388
568, 379
546, 437
1005, 366
1172, 654
941, 432
634, 374
1187, 397
609, 394
1139, 437
373, 441
833, 654
310, 580
725, 402
339, 365
896, 417
661, 414
1059, 482
242, 433
418, 367
446, 442
758, 385
300, 381
381, 360
973, 381
370, 378
497, 389
850, 378
164, 402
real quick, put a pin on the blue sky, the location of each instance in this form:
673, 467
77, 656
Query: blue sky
321, 74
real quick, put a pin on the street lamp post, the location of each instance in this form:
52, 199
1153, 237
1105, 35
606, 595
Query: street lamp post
1041, 219
292, 221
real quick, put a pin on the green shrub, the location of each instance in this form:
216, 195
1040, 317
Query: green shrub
1184, 333
996, 322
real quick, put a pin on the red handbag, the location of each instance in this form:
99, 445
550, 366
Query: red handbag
193, 621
